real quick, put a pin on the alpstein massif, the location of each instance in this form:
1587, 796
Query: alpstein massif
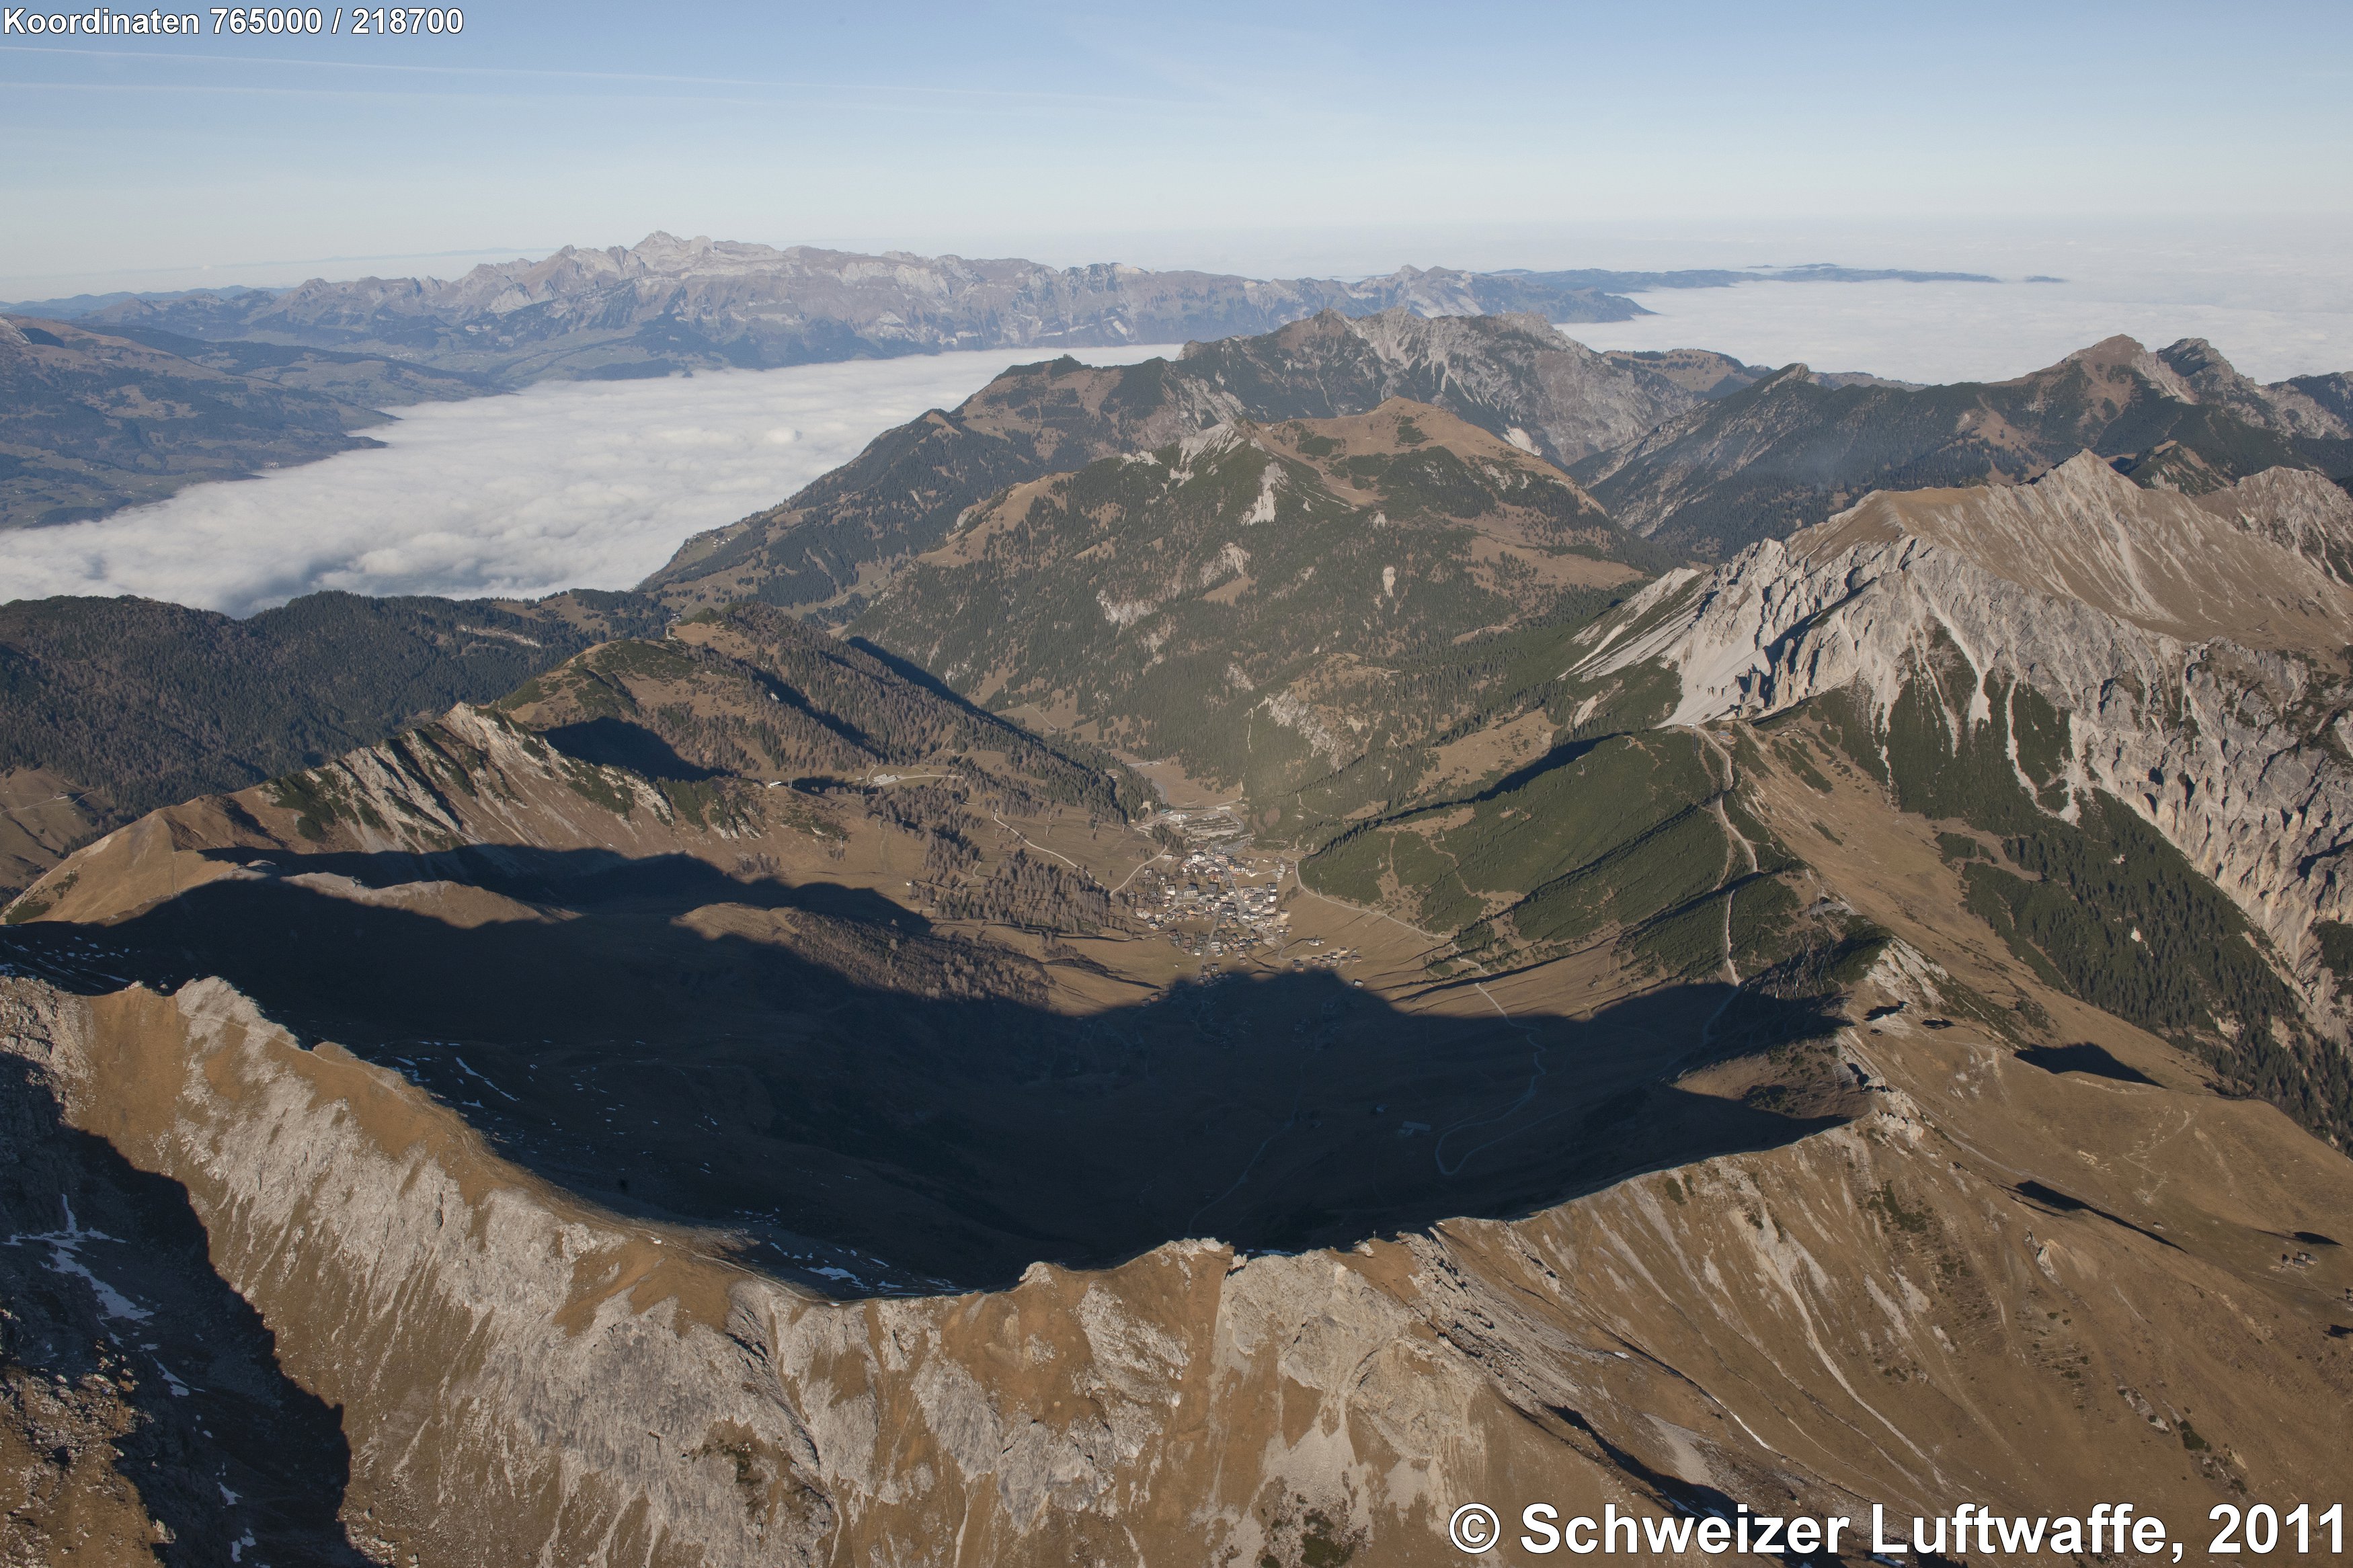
667, 304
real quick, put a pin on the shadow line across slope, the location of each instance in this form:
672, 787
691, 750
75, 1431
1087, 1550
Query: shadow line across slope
810, 1064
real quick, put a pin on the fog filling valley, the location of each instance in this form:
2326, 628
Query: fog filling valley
1931, 333
564, 485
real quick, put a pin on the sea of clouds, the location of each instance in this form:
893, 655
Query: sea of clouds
596, 484
564, 485
1973, 331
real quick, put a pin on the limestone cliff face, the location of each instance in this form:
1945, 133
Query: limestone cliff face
2191, 644
1897, 1311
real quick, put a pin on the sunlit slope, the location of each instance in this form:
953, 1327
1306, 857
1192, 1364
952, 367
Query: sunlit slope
832, 546
2137, 698
1247, 601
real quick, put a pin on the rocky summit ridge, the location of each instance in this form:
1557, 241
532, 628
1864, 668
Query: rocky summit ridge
1816, 1328
836, 541
2190, 654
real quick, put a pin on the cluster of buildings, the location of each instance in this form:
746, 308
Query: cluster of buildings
1313, 953
1213, 906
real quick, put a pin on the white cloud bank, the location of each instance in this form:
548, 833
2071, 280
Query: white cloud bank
1970, 331
594, 485
570, 485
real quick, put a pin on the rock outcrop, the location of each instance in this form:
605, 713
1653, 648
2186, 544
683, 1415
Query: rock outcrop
2193, 646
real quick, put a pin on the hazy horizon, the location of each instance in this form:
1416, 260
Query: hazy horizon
1245, 140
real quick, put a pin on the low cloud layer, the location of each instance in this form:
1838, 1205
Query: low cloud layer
594, 485
1967, 331
561, 486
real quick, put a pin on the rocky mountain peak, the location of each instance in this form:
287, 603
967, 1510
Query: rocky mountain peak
1795, 375
2195, 357
2122, 358
2083, 532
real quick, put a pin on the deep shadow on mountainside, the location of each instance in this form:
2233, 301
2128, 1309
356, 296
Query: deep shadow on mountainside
157, 1401
617, 1051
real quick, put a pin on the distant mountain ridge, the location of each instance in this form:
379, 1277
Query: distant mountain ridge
1792, 448
1510, 375
67, 308
667, 304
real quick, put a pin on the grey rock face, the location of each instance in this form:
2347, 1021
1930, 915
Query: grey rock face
2201, 375
2185, 640
520, 1377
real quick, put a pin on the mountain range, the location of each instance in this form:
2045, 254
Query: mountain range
799, 1083
1791, 449
234, 381
668, 304
1214, 960
1511, 376
1689, 449
115, 400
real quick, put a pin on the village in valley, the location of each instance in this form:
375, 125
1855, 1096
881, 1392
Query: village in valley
1219, 899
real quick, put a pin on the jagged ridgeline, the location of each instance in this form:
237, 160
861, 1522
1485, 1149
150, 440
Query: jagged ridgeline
1791, 449
750, 693
1513, 376
691, 735
112, 708
2122, 710
1268, 606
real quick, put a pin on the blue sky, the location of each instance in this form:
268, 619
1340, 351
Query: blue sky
1263, 137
